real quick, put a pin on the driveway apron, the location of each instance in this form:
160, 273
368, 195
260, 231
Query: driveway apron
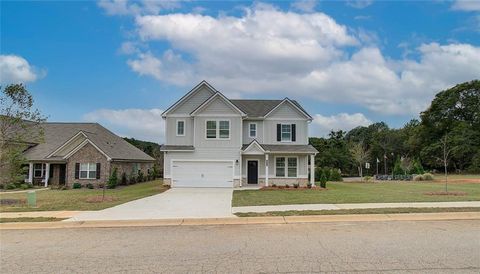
174, 203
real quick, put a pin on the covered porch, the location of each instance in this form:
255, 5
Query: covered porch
47, 173
265, 165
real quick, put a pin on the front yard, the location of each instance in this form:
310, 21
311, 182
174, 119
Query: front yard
84, 199
338, 193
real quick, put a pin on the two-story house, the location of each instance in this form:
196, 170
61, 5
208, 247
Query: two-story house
212, 141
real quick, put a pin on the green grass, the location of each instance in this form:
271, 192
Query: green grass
30, 219
76, 199
359, 211
337, 193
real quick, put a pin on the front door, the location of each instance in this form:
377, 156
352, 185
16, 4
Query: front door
63, 173
252, 172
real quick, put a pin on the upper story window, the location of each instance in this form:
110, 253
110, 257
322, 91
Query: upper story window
218, 129
252, 129
286, 133
180, 128
88, 171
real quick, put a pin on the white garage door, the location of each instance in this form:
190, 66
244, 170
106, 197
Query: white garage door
202, 173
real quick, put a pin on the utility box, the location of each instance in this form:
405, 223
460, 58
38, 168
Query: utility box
32, 198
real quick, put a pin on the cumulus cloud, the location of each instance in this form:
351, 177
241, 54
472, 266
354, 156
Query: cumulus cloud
305, 5
15, 69
322, 125
143, 124
359, 4
466, 5
125, 7
301, 55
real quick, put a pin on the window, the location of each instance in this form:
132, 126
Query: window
280, 167
292, 167
181, 128
286, 133
38, 170
224, 129
281, 170
218, 129
211, 129
252, 129
88, 171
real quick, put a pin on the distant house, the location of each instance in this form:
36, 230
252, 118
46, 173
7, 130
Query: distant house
213, 141
82, 153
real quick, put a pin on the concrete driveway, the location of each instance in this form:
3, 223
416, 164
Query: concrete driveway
174, 203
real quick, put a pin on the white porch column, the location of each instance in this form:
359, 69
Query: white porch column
30, 173
312, 170
47, 173
266, 169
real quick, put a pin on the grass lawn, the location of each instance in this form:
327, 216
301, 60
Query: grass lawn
338, 193
358, 211
80, 199
30, 219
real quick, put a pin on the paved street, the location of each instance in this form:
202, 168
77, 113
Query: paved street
414, 247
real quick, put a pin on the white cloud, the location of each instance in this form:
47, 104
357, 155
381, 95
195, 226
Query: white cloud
128, 48
305, 5
125, 7
359, 4
301, 55
466, 5
142, 124
15, 69
322, 125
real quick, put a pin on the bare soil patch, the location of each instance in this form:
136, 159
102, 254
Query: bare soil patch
10, 202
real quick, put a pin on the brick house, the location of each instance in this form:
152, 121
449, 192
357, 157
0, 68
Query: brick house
82, 153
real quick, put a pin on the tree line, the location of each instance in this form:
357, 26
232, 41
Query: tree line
446, 135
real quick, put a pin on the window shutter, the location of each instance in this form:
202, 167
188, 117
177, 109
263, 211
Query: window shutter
77, 170
279, 132
98, 170
294, 133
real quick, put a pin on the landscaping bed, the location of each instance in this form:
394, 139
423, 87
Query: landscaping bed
342, 192
82, 199
30, 219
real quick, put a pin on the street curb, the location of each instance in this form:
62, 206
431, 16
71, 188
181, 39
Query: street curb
246, 220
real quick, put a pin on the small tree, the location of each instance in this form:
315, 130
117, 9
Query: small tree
323, 180
360, 155
406, 164
113, 179
445, 157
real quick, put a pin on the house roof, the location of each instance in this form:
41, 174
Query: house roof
57, 134
259, 108
308, 149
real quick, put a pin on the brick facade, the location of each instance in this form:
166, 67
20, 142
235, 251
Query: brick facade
87, 154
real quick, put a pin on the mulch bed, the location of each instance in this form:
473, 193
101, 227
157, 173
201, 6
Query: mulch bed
9, 202
99, 199
450, 193
291, 188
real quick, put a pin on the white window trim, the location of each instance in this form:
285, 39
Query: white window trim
250, 131
285, 167
88, 171
217, 134
184, 127
281, 133
42, 170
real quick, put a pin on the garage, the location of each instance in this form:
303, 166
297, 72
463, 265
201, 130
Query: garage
202, 173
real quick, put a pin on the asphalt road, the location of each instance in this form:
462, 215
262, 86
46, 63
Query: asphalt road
413, 247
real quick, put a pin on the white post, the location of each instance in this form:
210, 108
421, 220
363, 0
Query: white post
30, 173
312, 170
266, 169
47, 173
241, 171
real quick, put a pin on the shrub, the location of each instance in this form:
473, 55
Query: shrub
287, 186
76, 185
335, 175
140, 178
318, 173
11, 186
323, 181
133, 179
367, 178
24, 186
417, 167
274, 185
101, 185
309, 185
295, 185
89, 186
123, 181
418, 178
428, 177
113, 179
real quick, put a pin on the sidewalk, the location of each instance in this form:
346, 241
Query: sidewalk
249, 220
263, 209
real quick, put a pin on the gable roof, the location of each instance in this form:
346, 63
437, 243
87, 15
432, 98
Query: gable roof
57, 135
294, 104
221, 96
190, 93
261, 108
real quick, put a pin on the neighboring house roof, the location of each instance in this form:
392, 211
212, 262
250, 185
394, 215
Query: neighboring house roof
58, 134
176, 148
286, 148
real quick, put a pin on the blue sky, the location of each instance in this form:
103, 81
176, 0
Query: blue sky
121, 63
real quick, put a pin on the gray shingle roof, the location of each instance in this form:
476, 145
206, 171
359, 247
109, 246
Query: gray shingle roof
286, 148
260, 108
56, 134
